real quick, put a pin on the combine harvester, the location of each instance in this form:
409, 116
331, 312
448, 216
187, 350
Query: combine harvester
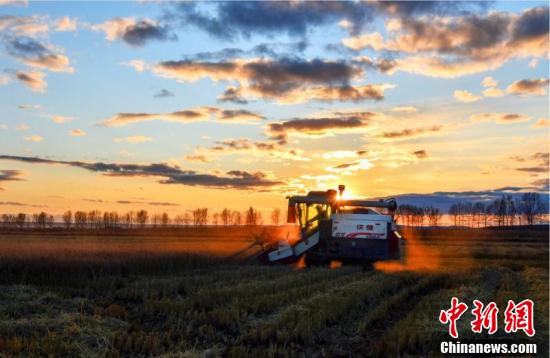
350, 231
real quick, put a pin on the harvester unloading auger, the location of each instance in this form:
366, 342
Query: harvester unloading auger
332, 228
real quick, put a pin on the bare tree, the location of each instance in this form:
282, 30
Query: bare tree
200, 217
114, 218
397, 216
225, 216
467, 211
478, 211
196, 217
141, 217
80, 219
165, 219
156, 219
5, 220
434, 215
50, 221
237, 218
20, 220
179, 220
68, 218
106, 221
94, 218
400, 215
419, 215
276, 216
110, 219
252, 216
410, 215
491, 213
501, 211
453, 211
128, 219
464, 214
41, 219
531, 207
511, 210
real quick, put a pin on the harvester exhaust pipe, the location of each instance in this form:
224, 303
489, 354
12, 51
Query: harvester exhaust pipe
341, 189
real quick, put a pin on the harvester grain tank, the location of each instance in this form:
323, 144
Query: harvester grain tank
352, 231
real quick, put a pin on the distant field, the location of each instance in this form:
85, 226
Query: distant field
198, 292
124, 244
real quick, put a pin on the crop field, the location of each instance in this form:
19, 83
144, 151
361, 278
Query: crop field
200, 293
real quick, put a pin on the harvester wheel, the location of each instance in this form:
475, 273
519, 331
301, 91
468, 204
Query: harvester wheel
314, 260
368, 266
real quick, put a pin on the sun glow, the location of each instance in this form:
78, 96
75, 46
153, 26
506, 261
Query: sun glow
348, 194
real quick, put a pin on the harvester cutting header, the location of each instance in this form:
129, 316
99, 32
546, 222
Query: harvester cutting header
352, 231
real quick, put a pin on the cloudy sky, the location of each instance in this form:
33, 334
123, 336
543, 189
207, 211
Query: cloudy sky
170, 106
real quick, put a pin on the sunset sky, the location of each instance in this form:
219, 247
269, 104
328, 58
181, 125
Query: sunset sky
171, 106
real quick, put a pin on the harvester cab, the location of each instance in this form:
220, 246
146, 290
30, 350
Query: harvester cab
351, 231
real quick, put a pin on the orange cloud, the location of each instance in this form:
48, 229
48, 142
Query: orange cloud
349, 168
330, 94
77, 133
341, 154
32, 79
114, 28
502, 118
452, 46
4, 79
134, 139
197, 158
252, 149
66, 24
530, 87
493, 92
443, 68
35, 54
134, 32
465, 96
24, 26
489, 82
169, 174
184, 116
420, 154
405, 109
410, 132
61, 119
34, 138
541, 123
282, 80
372, 40
338, 122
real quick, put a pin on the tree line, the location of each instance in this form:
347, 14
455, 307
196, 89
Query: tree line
529, 209
95, 219
504, 211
